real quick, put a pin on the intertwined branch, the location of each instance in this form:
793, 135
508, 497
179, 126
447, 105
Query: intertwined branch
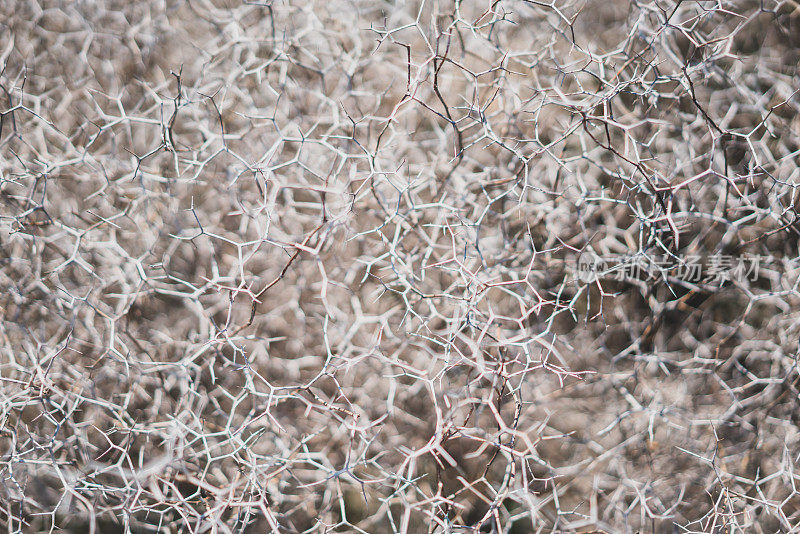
311, 266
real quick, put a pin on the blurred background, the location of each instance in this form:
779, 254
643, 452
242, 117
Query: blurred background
313, 266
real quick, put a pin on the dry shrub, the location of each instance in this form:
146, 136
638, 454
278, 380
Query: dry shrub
312, 266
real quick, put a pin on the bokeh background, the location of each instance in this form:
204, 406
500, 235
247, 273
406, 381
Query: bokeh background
292, 266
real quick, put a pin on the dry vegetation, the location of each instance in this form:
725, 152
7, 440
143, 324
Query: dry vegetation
311, 266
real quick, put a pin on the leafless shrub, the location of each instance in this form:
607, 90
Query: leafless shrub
311, 267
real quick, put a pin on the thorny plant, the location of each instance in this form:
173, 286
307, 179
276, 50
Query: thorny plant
310, 266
